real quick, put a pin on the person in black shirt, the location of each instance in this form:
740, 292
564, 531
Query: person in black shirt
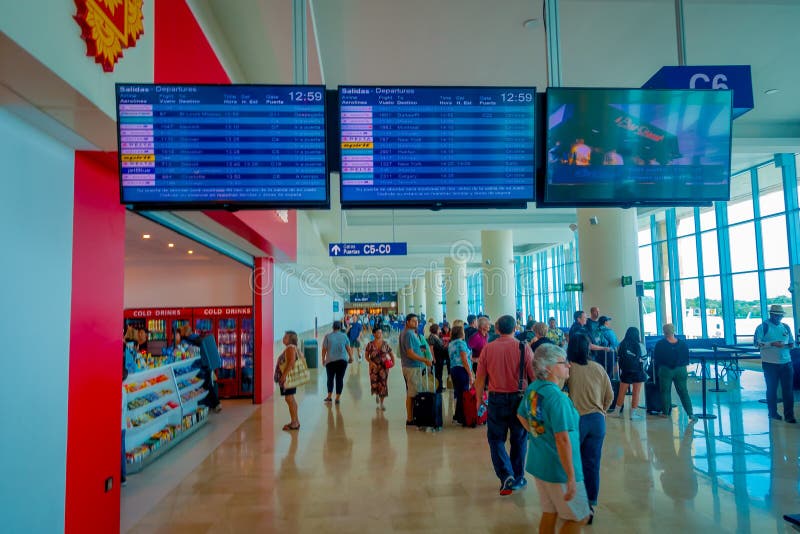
579, 325
540, 336
472, 326
441, 358
671, 357
527, 335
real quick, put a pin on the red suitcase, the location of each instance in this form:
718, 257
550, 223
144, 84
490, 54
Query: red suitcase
471, 418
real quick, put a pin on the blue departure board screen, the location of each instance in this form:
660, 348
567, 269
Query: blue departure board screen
436, 146
232, 146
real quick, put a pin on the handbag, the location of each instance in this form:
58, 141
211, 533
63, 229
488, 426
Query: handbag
279, 366
388, 362
299, 375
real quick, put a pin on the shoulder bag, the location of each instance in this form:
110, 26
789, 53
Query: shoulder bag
299, 375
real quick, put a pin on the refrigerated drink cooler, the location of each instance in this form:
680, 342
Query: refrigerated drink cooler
233, 331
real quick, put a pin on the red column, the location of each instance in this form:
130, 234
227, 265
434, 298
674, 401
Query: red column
182, 52
264, 359
95, 351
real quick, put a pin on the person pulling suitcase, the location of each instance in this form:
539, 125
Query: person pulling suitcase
415, 364
508, 366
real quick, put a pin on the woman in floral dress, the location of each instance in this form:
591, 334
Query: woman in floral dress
376, 352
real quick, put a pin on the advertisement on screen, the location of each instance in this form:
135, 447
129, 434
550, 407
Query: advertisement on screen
623, 147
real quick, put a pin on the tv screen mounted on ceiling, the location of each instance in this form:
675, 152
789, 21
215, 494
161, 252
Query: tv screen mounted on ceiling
436, 147
222, 146
637, 147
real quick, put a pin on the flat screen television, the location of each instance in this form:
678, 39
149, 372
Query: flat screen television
637, 147
222, 146
436, 147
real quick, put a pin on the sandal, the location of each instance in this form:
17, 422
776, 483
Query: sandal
288, 426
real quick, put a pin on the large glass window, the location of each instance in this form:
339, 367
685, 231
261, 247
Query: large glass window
710, 252
753, 280
743, 247
778, 282
714, 320
542, 279
775, 242
708, 218
690, 308
740, 207
687, 256
646, 263
746, 305
685, 218
770, 187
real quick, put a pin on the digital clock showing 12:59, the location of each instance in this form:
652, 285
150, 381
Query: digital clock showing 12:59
305, 96
517, 97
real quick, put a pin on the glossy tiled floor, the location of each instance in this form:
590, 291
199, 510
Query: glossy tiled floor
355, 469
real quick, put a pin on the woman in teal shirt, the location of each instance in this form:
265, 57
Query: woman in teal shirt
460, 369
553, 429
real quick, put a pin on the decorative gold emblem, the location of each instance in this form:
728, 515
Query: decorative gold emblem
108, 26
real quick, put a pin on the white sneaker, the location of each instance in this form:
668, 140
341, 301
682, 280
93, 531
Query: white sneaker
636, 414
618, 413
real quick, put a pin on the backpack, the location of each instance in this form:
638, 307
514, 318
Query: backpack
596, 336
765, 328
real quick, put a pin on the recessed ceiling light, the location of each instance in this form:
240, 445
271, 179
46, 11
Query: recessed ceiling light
171, 245
772, 91
530, 23
191, 252
145, 236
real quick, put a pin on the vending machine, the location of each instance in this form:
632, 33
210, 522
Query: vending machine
232, 328
246, 343
183, 318
205, 321
158, 322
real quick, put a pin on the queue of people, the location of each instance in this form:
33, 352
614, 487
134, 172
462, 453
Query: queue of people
549, 392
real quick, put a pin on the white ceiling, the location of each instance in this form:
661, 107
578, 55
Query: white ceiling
155, 250
604, 43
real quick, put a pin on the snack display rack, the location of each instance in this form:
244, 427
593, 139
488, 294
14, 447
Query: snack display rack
161, 410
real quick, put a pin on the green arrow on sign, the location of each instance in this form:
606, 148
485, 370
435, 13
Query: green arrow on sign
573, 287
649, 286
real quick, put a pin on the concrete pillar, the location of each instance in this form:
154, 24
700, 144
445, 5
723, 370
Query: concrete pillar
418, 286
410, 304
499, 287
455, 283
401, 301
433, 294
607, 242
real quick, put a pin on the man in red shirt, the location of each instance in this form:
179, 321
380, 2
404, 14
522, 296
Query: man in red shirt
500, 364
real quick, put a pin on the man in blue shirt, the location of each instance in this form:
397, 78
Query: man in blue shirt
774, 338
353, 336
415, 359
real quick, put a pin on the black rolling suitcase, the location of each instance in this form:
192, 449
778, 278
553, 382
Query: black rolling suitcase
652, 393
609, 362
427, 407
795, 354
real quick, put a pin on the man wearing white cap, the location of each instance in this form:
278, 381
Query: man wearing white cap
774, 338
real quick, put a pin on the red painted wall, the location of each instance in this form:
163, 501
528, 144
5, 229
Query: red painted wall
182, 52
264, 361
183, 55
95, 359
263, 229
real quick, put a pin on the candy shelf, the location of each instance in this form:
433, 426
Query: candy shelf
149, 441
